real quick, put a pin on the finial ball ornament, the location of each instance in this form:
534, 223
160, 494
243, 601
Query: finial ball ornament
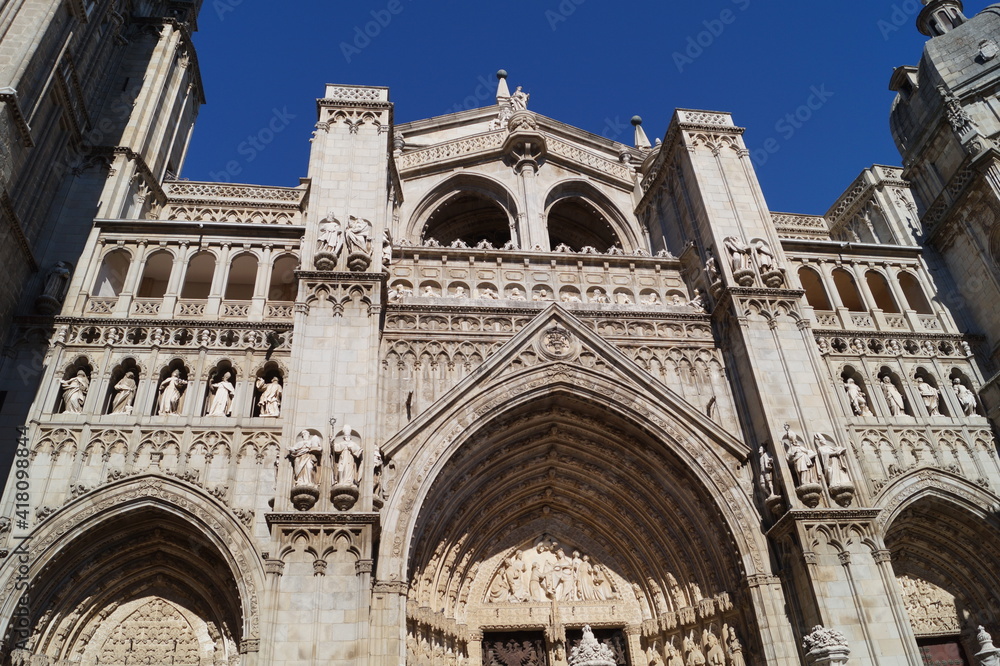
502, 74
636, 121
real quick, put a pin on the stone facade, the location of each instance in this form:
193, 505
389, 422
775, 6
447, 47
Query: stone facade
488, 389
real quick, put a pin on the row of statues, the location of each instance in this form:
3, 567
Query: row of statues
597, 295
929, 394
746, 260
171, 390
724, 649
546, 573
356, 237
307, 452
825, 462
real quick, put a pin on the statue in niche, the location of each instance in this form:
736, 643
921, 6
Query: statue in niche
75, 392
930, 395
171, 390
676, 592
715, 654
516, 295
55, 288
347, 452
386, 248
893, 398
488, 294
124, 394
766, 472
674, 657
734, 648
305, 454
519, 100
331, 235
859, 403
652, 299
541, 295
712, 269
545, 573
966, 398
378, 466
694, 654
802, 460
270, 397
599, 296
698, 302
222, 399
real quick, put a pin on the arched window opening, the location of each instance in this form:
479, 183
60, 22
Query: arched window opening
848, 290
111, 276
283, 286
577, 224
881, 292
198, 278
816, 294
74, 387
120, 396
471, 218
242, 278
914, 294
156, 275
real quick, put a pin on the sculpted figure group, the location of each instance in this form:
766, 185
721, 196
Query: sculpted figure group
545, 573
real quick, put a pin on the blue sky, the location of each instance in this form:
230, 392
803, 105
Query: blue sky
589, 63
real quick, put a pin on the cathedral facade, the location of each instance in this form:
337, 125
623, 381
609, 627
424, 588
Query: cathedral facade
486, 388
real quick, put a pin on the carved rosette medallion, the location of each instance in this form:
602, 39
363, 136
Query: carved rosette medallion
557, 343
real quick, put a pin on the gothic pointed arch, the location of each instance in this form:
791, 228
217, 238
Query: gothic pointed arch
590, 457
947, 588
465, 207
579, 215
118, 587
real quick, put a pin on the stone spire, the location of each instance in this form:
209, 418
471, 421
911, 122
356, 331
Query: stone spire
940, 17
503, 92
640, 136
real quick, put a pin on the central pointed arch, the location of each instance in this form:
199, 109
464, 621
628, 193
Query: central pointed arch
585, 450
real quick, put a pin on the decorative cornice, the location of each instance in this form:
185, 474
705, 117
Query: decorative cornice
174, 323
349, 277
834, 516
390, 587
309, 518
579, 310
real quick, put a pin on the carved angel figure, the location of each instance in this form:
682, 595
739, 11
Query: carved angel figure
171, 389
124, 394
347, 453
305, 458
75, 392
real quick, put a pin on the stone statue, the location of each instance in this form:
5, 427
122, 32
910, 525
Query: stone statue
305, 456
171, 389
222, 399
832, 457
859, 403
331, 235
519, 100
695, 655
712, 269
715, 654
966, 398
739, 254
735, 649
358, 236
674, 658
516, 295
378, 463
930, 395
590, 651
488, 294
802, 460
652, 299
765, 256
600, 297
766, 472
75, 392
124, 394
386, 247
347, 452
897, 405
270, 397
698, 302
55, 288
